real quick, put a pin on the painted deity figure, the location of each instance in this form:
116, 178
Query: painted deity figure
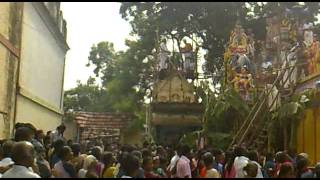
243, 82
313, 57
238, 40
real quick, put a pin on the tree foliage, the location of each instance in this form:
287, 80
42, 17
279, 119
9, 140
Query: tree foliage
128, 75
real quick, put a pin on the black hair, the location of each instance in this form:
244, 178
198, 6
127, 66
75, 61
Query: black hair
301, 164
131, 164
239, 151
96, 152
22, 133
146, 152
253, 155
7, 148
230, 156
208, 159
269, 157
137, 153
285, 169
107, 158
185, 150
76, 149
281, 157
146, 160
58, 144
65, 150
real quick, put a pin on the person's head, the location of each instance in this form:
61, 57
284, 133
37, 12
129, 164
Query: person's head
317, 170
286, 171
270, 157
23, 153
302, 155
251, 170
281, 157
75, 147
185, 150
96, 152
65, 154
41, 152
48, 133
23, 134
163, 162
147, 164
7, 148
61, 128
208, 160
138, 154
39, 135
160, 150
146, 153
58, 144
31, 127
69, 142
219, 155
131, 167
89, 162
156, 162
239, 151
253, 155
107, 158
302, 163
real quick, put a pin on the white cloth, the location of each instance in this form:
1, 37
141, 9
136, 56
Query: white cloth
126, 177
259, 174
6, 162
163, 56
187, 61
173, 162
56, 135
239, 164
18, 171
82, 173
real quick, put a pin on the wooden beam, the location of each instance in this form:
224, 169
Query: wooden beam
4, 41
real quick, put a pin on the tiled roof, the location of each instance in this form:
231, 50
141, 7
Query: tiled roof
95, 124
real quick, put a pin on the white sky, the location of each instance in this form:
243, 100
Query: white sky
89, 23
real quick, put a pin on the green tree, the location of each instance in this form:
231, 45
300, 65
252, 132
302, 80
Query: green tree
86, 97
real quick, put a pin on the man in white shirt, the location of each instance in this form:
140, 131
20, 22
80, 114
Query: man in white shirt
240, 162
23, 154
183, 164
163, 55
58, 133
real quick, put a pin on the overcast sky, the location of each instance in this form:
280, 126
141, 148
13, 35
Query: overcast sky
89, 23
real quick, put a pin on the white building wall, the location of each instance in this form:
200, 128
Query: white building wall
42, 59
41, 73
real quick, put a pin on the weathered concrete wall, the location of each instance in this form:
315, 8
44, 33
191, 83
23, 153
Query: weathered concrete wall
42, 59
40, 117
10, 31
41, 73
4, 18
3, 78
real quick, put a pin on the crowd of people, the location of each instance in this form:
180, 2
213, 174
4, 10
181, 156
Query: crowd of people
33, 154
